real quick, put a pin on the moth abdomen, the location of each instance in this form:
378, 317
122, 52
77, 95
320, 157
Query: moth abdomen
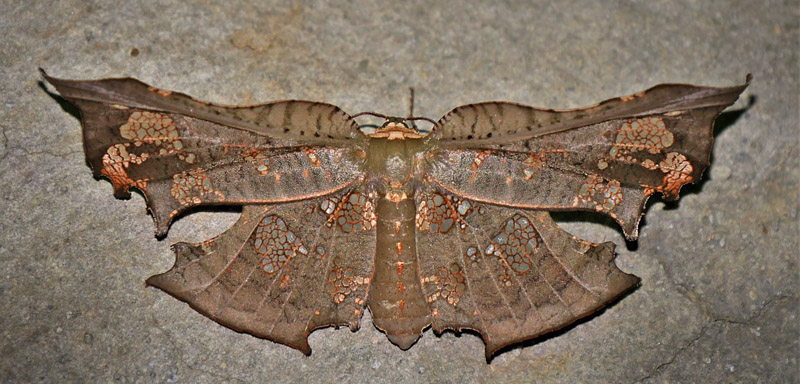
396, 300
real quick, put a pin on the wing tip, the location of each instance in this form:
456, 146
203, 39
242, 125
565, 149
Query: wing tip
163, 282
49, 79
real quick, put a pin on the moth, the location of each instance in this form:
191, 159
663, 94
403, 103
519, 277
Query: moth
446, 228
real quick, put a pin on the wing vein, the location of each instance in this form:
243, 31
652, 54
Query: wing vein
496, 284
568, 270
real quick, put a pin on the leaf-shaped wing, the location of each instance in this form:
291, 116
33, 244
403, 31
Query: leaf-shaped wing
510, 274
181, 152
609, 158
283, 270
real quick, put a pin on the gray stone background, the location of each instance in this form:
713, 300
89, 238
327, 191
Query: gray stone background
719, 294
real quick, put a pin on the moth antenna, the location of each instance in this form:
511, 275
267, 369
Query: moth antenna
411, 102
421, 118
382, 116
411, 107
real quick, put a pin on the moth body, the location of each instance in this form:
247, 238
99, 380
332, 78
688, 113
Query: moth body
396, 299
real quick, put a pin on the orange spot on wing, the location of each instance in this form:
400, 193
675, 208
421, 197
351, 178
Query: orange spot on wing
190, 187
612, 195
116, 161
678, 172
515, 244
533, 163
276, 244
285, 280
353, 213
312, 156
259, 159
342, 283
159, 91
144, 127
478, 161
648, 133
438, 213
450, 284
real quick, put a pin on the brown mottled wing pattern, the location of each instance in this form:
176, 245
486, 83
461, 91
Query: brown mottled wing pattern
283, 270
608, 158
301, 255
181, 152
491, 258
511, 274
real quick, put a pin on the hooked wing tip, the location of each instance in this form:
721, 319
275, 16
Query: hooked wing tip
52, 80
44, 74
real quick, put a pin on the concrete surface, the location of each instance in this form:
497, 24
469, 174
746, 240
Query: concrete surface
719, 269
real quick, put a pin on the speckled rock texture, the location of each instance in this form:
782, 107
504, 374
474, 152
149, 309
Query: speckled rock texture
719, 294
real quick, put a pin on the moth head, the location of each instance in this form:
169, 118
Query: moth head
395, 128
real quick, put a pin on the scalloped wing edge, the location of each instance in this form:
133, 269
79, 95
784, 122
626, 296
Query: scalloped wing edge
492, 347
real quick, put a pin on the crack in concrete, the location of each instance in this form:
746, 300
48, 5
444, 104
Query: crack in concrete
695, 298
677, 353
712, 321
6, 149
755, 315
37, 153
684, 290
9, 149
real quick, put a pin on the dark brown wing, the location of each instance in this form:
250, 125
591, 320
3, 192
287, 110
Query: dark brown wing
282, 270
609, 158
508, 273
181, 152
